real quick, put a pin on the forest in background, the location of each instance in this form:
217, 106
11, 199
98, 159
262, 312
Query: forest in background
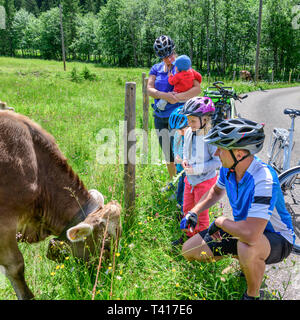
220, 36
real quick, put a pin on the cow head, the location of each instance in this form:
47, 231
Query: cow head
85, 240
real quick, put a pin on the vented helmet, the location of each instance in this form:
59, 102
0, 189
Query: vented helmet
163, 46
198, 106
238, 133
177, 120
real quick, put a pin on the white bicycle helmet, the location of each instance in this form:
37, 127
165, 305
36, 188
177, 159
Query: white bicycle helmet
238, 133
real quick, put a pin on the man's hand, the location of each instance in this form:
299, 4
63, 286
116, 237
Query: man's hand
189, 221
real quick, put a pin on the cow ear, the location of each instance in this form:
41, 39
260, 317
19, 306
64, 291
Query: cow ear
79, 232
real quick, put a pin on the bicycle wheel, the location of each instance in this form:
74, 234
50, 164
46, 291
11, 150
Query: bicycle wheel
290, 185
276, 154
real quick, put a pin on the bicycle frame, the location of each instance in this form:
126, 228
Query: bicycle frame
288, 148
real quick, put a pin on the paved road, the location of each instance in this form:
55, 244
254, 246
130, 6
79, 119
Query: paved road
267, 107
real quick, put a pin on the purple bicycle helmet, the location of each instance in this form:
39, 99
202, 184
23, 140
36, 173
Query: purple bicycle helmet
198, 106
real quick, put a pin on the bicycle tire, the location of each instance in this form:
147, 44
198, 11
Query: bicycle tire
290, 185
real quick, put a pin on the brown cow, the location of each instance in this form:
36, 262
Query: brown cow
245, 75
41, 195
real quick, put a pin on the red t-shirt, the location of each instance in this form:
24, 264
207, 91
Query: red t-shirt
184, 80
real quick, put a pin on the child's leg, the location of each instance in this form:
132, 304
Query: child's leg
188, 201
200, 190
180, 191
188, 197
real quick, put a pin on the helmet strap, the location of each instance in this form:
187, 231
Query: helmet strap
236, 162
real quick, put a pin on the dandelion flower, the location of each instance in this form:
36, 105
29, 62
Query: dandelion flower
177, 285
203, 252
62, 266
52, 274
117, 254
67, 258
57, 267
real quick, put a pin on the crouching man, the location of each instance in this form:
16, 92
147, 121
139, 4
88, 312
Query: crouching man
262, 231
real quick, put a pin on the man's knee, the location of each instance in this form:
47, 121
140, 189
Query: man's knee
187, 252
249, 253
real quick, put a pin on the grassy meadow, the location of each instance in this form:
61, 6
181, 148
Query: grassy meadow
73, 108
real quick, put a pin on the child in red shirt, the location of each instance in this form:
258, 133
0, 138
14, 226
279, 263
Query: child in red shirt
185, 75
183, 80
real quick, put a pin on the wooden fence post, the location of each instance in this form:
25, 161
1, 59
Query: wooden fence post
130, 149
145, 118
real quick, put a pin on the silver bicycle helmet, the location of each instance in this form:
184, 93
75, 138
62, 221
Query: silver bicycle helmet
238, 133
163, 46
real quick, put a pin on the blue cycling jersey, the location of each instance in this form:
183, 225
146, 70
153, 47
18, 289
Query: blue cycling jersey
258, 194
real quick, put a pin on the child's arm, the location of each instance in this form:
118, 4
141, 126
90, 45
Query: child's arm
210, 165
172, 79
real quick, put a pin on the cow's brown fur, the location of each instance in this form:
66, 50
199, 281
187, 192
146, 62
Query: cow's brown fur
245, 75
39, 191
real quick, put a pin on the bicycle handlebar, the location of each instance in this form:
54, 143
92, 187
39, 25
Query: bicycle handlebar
227, 93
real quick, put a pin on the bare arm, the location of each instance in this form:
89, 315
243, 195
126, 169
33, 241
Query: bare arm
156, 94
193, 92
212, 197
248, 231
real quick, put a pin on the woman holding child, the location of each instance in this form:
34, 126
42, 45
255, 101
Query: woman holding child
160, 88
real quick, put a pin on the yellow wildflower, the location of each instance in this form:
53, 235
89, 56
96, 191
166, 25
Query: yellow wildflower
117, 254
52, 274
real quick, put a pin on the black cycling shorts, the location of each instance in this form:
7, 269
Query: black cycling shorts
280, 247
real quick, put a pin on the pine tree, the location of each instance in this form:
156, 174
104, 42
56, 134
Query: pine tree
70, 9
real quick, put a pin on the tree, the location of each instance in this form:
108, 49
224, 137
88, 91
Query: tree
70, 9
50, 37
6, 35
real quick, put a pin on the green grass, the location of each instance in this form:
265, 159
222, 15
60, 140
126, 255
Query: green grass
144, 267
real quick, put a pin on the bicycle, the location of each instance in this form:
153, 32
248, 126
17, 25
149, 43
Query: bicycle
279, 157
281, 144
290, 185
224, 100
